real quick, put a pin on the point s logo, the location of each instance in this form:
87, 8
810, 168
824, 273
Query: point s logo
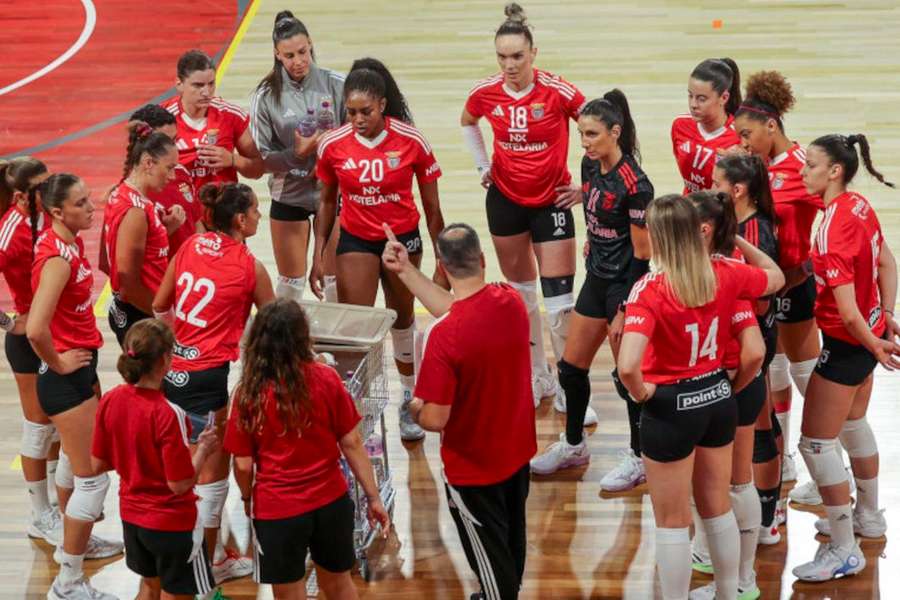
634, 320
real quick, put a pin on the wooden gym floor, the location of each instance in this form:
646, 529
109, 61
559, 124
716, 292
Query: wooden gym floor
841, 58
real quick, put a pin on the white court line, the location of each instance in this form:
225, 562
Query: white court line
90, 20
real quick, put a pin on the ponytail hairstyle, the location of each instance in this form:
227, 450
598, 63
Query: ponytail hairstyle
612, 109
146, 343
275, 353
16, 176
678, 250
286, 27
153, 115
769, 96
222, 202
717, 209
841, 150
194, 60
724, 76
750, 170
395, 104
143, 140
515, 24
55, 189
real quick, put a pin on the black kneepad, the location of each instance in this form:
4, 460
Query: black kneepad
764, 447
572, 375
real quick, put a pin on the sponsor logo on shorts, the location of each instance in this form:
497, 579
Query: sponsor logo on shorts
119, 317
705, 397
559, 231
823, 358
186, 352
178, 378
43, 368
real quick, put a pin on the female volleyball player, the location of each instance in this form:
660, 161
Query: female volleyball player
144, 438
211, 283
856, 284
677, 324
290, 421
529, 190
64, 334
373, 159
616, 193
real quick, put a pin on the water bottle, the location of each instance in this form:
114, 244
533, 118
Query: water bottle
212, 136
308, 123
325, 117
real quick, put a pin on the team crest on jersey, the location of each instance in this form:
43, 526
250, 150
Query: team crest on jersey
497, 112
537, 111
609, 200
393, 159
185, 190
778, 181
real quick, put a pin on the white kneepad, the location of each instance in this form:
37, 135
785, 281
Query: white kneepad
404, 342
779, 373
290, 288
212, 502
528, 291
86, 502
63, 477
801, 372
857, 438
559, 311
823, 460
36, 439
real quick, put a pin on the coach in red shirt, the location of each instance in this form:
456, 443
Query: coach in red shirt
474, 386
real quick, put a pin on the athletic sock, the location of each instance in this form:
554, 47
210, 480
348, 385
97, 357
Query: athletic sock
841, 522
866, 495
723, 537
40, 501
673, 559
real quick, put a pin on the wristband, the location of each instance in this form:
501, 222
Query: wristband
888, 311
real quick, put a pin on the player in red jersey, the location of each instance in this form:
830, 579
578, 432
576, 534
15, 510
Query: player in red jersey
760, 126
856, 281
135, 236
211, 283
373, 159
20, 224
214, 140
529, 188
677, 324
144, 438
698, 138
291, 419
63, 332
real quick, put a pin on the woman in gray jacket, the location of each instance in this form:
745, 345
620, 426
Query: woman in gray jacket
296, 89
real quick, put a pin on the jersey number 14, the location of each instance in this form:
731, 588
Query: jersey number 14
709, 347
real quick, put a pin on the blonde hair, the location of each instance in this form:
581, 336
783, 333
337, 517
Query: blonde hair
678, 251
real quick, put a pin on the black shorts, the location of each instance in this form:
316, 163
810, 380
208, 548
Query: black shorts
844, 363
546, 223
21, 356
166, 554
58, 393
279, 211
347, 242
694, 412
797, 305
326, 532
122, 316
198, 392
750, 400
770, 337
600, 298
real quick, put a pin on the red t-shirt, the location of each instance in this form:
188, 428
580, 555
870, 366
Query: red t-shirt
144, 437
156, 249
795, 208
531, 134
375, 176
180, 192
686, 342
846, 250
16, 255
743, 318
227, 119
695, 150
73, 324
476, 359
297, 472
215, 277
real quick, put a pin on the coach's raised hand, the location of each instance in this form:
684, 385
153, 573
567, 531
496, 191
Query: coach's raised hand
395, 256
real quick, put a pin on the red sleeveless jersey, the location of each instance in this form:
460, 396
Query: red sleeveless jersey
795, 208
16, 252
180, 192
214, 281
695, 150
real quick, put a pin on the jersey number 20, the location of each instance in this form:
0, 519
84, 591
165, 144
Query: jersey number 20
709, 348
204, 285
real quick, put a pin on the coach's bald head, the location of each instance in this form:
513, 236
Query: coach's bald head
459, 251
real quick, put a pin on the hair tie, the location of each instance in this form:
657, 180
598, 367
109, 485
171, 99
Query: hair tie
851, 140
130, 353
749, 108
144, 130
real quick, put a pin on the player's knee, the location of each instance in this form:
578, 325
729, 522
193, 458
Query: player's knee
36, 439
86, 502
858, 439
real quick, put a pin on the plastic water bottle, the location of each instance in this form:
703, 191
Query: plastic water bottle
325, 117
308, 123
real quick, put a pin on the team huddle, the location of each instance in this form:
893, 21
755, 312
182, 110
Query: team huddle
713, 301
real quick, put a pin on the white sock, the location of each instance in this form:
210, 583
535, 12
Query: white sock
290, 288
748, 514
784, 420
866, 495
673, 560
723, 536
219, 555
841, 526
51, 478
40, 501
698, 544
528, 291
70, 568
407, 385
801, 372
331, 288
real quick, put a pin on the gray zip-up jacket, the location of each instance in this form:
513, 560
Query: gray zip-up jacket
293, 181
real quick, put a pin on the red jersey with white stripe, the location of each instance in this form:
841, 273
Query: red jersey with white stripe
16, 251
531, 134
156, 250
375, 176
144, 437
214, 281
687, 342
180, 192
696, 150
795, 208
743, 318
226, 122
73, 324
846, 251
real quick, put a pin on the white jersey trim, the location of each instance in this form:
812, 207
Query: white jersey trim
9, 229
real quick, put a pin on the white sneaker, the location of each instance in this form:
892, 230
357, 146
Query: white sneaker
806, 493
233, 566
627, 474
410, 431
769, 536
781, 512
701, 562
832, 562
559, 403
560, 455
708, 592
867, 525
48, 527
97, 548
80, 589
788, 467
543, 386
